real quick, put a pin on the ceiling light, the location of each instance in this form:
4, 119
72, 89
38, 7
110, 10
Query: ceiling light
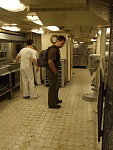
39, 31
38, 22
12, 5
99, 32
95, 35
53, 28
82, 42
32, 16
93, 40
13, 24
11, 28
108, 30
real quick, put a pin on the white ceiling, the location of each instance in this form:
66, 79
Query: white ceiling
82, 19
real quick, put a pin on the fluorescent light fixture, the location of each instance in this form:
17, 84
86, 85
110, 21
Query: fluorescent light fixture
39, 31
53, 28
38, 22
12, 5
82, 42
11, 28
99, 32
32, 16
108, 30
13, 24
93, 40
95, 35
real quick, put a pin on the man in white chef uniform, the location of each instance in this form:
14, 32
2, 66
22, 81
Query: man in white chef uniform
26, 57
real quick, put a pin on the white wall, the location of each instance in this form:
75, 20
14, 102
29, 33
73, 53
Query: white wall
45, 38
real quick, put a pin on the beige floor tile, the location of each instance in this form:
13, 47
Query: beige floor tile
31, 125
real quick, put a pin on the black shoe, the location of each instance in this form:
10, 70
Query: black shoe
36, 83
27, 97
55, 106
59, 101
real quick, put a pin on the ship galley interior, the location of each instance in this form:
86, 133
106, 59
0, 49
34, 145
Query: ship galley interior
85, 119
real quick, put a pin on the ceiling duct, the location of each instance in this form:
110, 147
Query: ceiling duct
9, 37
86, 8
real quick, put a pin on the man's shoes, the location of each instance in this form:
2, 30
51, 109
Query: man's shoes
35, 97
55, 106
27, 97
36, 83
59, 101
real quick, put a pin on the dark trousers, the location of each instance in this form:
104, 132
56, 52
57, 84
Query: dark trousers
53, 87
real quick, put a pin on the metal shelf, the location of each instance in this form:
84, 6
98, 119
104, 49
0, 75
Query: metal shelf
62, 72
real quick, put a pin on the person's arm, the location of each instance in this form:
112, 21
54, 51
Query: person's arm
17, 58
52, 66
35, 63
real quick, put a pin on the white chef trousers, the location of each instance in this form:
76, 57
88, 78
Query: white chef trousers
28, 81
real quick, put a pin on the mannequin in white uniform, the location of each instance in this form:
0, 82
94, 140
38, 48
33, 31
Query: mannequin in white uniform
26, 57
36, 74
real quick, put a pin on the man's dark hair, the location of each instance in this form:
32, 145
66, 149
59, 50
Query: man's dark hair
29, 42
61, 38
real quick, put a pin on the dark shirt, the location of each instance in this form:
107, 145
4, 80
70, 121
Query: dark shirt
54, 54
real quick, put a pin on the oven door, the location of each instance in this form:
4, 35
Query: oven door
5, 83
15, 75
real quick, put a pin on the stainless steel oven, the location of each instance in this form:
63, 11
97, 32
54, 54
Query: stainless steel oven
15, 75
5, 84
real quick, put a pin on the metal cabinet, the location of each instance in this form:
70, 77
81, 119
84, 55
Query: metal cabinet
80, 60
9, 78
15, 75
5, 84
80, 56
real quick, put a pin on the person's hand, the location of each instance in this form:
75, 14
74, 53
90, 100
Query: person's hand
14, 60
55, 72
37, 69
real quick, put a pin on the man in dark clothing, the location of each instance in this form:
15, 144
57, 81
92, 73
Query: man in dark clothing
52, 69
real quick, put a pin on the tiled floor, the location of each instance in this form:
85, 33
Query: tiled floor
31, 125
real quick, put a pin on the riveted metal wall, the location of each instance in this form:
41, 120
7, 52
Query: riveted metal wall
107, 138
